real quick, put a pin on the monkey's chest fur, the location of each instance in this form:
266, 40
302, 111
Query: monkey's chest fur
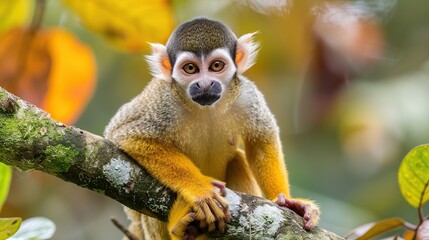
209, 139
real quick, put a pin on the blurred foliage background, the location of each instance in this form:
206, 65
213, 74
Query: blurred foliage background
347, 81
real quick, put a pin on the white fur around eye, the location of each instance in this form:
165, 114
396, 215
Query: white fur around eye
185, 57
182, 59
223, 55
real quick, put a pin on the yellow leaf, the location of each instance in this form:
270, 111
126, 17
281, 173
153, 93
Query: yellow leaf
128, 24
9, 226
5, 179
413, 176
14, 13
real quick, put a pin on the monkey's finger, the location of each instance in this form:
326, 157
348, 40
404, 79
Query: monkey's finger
221, 186
199, 212
216, 209
308, 225
297, 206
203, 223
281, 200
221, 226
210, 218
209, 222
311, 217
220, 216
224, 204
308, 211
211, 227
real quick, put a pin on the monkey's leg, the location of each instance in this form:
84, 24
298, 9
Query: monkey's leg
135, 226
239, 177
153, 229
147, 228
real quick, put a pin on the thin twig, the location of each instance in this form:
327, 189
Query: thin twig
410, 226
121, 227
420, 208
36, 21
28, 37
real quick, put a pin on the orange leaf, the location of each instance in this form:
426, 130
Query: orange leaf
370, 230
50, 69
128, 24
72, 77
25, 64
409, 235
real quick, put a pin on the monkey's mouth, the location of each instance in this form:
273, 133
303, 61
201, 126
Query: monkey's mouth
206, 99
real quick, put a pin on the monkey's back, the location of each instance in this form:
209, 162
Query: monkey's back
151, 114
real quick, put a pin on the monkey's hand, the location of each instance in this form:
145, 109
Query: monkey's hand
211, 208
303, 207
208, 209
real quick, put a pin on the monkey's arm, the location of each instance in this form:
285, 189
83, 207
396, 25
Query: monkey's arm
265, 156
266, 161
177, 171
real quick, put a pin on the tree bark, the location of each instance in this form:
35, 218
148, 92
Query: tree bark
30, 139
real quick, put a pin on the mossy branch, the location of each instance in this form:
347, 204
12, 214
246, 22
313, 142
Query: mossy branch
30, 139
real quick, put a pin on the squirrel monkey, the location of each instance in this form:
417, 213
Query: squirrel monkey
186, 126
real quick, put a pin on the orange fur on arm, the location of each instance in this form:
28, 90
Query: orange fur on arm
266, 161
168, 165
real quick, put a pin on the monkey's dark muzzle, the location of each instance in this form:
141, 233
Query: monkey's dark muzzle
205, 95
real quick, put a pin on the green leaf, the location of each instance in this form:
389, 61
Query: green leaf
413, 176
5, 178
9, 226
370, 230
35, 228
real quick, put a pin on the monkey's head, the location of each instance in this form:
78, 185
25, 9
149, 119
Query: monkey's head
203, 57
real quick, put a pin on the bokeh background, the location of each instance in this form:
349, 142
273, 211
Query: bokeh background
347, 81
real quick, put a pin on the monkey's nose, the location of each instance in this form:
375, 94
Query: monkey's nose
204, 84
205, 92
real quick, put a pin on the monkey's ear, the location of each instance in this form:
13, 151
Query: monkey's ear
247, 50
159, 63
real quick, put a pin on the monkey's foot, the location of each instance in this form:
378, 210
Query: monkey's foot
185, 229
305, 208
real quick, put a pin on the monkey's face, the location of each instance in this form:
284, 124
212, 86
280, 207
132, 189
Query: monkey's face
204, 78
202, 58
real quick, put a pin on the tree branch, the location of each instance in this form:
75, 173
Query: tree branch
30, 139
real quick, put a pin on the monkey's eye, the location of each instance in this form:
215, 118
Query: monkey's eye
217, 66
190, 68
